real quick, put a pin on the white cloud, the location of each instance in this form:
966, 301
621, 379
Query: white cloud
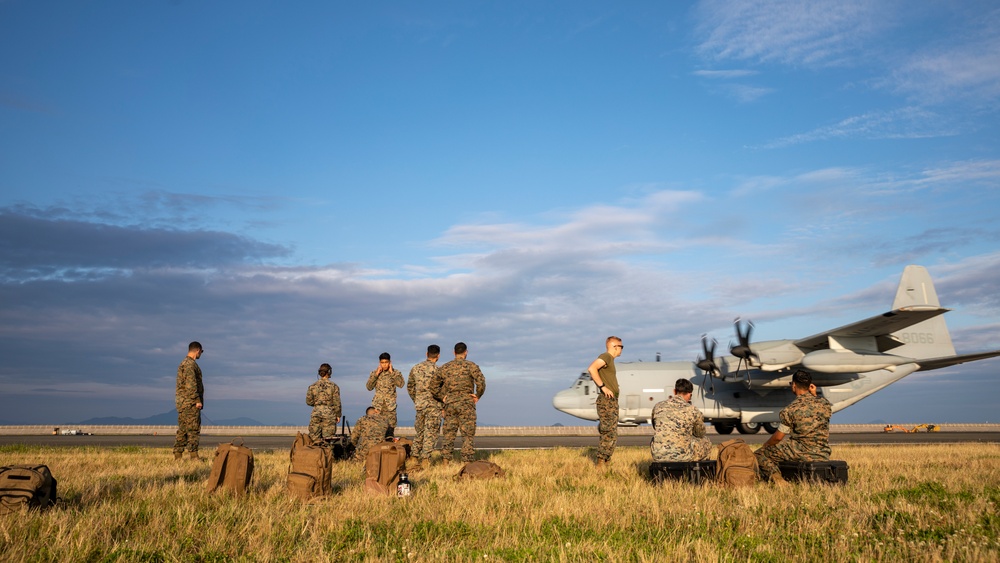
903, 123
822, 32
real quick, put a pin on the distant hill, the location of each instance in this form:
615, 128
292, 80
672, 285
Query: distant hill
167, 418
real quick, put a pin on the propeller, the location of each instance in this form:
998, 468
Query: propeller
707, 364
742, 348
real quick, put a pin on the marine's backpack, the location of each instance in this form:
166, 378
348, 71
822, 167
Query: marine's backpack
232, 468
480, 469
26, 486
737, 466
383, 467
310, 468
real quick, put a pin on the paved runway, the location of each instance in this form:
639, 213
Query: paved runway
496, 442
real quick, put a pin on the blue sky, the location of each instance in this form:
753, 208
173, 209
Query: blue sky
308, 182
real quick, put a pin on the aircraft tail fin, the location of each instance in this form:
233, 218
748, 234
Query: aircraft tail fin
927, 339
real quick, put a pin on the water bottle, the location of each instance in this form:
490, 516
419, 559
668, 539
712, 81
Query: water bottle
403, 488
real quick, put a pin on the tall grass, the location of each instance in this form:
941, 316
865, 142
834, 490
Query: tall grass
903, 503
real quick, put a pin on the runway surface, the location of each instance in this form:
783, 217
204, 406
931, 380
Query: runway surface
493, 442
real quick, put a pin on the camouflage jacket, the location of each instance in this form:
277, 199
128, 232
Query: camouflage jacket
384, 384
806, 421
324, 393
419, 385
457, 381
676, 422
189, 387
369, 430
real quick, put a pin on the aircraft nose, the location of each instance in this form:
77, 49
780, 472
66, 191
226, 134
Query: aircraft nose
565, 399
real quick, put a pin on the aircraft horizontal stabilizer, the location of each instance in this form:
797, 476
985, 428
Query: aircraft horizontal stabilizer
879, 325
938, 363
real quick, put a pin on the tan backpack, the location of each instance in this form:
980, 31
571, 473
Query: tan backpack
310, 469
232, 468
737, 466
26, 486
383, 467
480, 470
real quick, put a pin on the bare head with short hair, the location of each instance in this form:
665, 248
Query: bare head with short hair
683, 387
433, 351
194, 346
461, 348
371, 410
802, 379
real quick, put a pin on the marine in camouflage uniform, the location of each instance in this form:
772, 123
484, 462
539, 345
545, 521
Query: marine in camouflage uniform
459, 384
324, 397
428, 421
384, 380
679, 428
602, 371
370, 430
806, 422
189, 400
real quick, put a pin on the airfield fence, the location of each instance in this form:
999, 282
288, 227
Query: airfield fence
644, 430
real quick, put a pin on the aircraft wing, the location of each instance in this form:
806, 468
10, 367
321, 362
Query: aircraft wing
879, 325
938, 363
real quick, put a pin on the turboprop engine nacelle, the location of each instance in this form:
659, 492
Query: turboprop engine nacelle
846, 361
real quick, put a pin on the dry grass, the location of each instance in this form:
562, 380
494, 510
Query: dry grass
904, 503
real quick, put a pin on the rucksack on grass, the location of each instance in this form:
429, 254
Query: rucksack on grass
480, 469
737, 466
310, 469
232, 468
383, 466
26, 486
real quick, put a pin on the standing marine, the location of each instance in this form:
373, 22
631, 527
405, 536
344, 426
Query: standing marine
679, 428
602, 371
384, 380
459, 384
806, 424
189, 400
324, 397
429, 410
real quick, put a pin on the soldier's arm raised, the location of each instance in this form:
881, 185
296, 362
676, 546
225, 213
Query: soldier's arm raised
372, 378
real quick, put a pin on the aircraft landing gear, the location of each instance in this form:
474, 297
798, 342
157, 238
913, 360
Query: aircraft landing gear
724, 427
748, 427
770, 427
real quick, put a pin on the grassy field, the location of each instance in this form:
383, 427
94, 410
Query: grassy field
903, 503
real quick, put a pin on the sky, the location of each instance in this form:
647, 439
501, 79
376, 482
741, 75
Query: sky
309, 182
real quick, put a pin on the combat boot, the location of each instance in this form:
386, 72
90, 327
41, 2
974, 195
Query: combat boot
194, 456
416, 467
178, 455
601, 464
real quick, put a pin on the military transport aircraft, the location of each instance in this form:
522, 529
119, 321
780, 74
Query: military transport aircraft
748, 389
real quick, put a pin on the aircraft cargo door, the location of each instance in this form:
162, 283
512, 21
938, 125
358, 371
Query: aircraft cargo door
631, 407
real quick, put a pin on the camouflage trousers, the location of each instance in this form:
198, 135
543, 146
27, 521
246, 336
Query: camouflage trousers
389, 415
785, 450
188, 430
460, 416
691, 449
322, 424
607, 427
427, 427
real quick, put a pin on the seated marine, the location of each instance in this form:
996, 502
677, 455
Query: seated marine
806, 424
679, 428
370, 430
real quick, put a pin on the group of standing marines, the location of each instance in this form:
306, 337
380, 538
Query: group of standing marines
450, 392
679, 428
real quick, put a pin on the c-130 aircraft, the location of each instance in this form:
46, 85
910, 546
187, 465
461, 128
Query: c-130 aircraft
747, 389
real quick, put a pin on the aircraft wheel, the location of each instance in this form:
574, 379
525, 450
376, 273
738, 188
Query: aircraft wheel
748, 427
770, 427
723, 427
